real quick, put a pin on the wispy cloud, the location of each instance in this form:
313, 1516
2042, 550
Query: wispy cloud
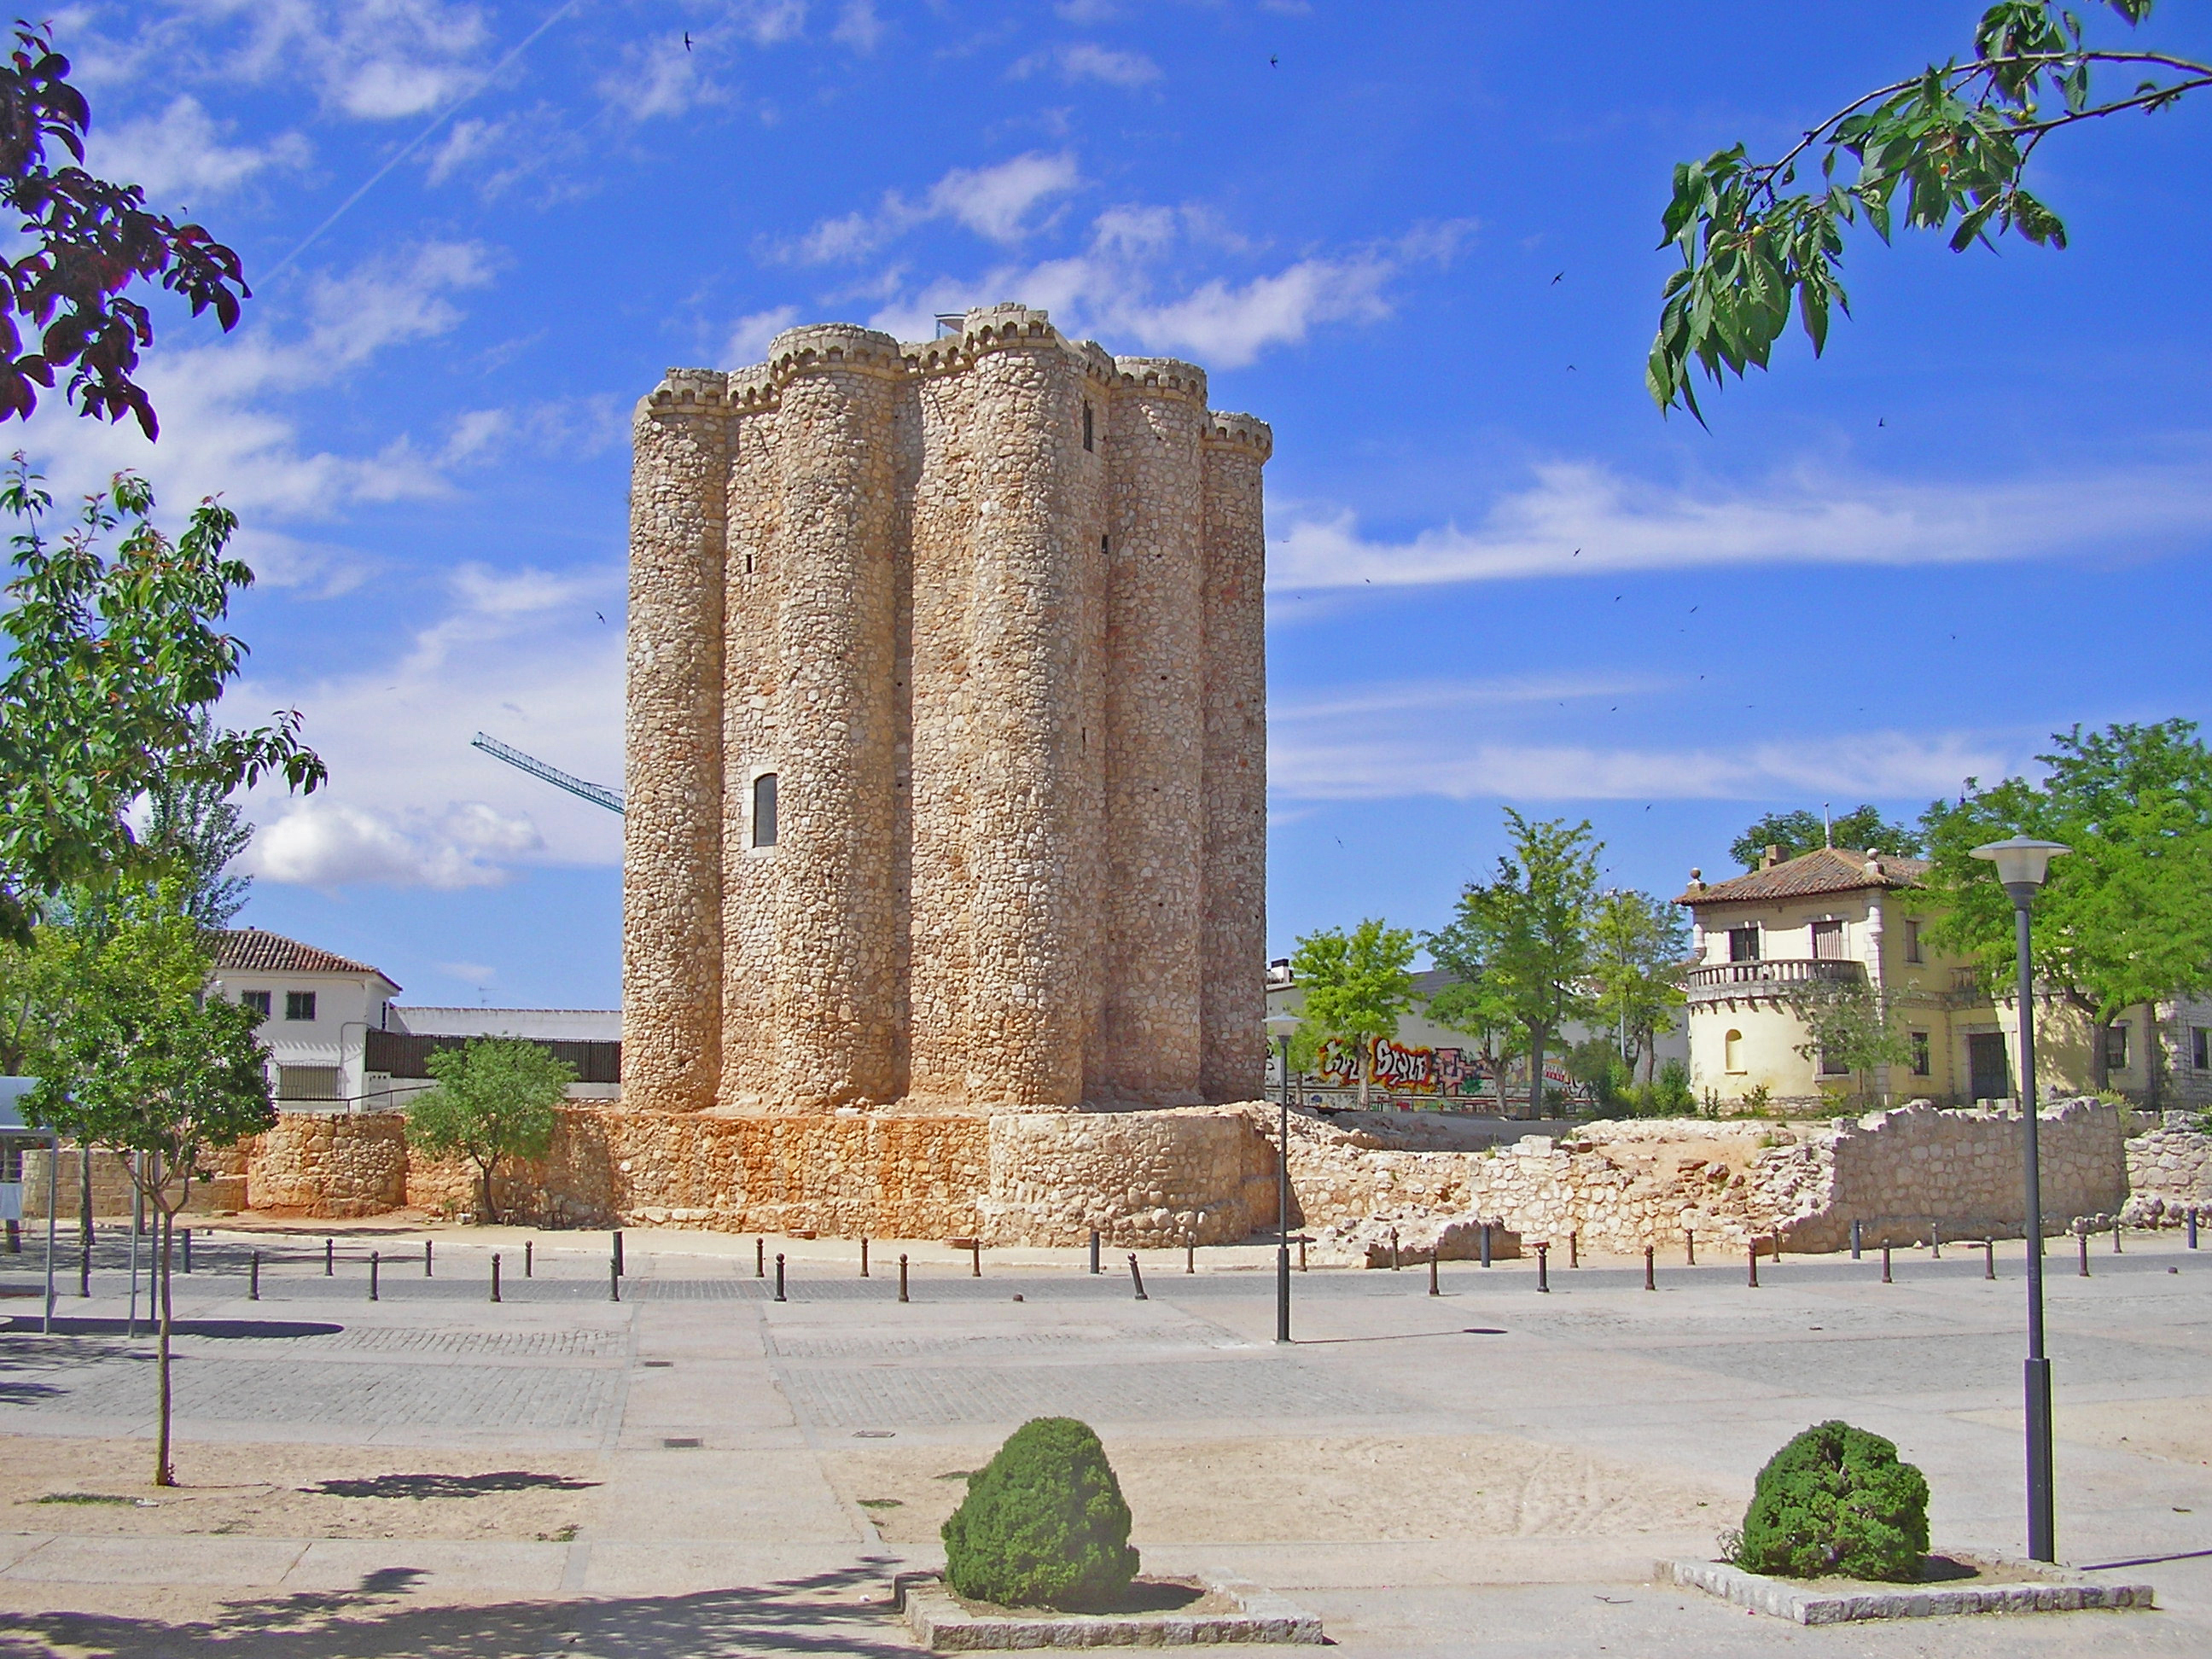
994, 202
1581, 518
1088, 61
186, 151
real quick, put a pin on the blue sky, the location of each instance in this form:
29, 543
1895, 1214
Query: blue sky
1419, 240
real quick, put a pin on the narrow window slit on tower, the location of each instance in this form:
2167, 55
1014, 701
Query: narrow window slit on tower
1087, 442
765, 810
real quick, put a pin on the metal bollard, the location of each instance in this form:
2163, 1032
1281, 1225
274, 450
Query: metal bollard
2116, 1238
901, 1278
618, 1259
779, 1275
2189, 1226
374, 1262
329, 1257
1989, 1258
2082, 1238
975, 1259
1137, 1278
1301, 1256
85, 1267
494, 1275
614, 1284
188, 1249
1544, 1268
1486, 1243
426, 1259
1094, 1250
760, 1258
864, 1257
1649, 1282
528, 1251
1855, 1241
1189, 1257
1393, 1250
1754, 1264
1433, 1290
1934, 1241
1575, 1248
1885, 1261
253, 1281
1689, 1248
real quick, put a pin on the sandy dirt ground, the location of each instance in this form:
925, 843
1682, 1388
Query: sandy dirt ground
1322, 1490
289, 1491
2178, 1430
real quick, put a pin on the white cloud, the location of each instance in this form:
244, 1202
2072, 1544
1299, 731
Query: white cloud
375, 60
572, 427
749, 339
1581, 519
182, 151
524, 654
858, 26
1085, 61
994, 201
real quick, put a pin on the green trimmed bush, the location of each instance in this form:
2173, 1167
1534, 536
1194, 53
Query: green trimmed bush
1043, 1524
1835, 1500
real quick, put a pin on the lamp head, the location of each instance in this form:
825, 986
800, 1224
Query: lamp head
1282, 1025
2022, 862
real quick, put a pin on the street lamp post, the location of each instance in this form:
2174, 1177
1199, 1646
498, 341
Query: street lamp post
1280, 1026
2021, 864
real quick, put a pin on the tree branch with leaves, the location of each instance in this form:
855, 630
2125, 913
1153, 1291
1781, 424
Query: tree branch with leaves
1945, 149
1354, 986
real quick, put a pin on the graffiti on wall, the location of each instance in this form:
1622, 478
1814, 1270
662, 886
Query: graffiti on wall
1444, 1073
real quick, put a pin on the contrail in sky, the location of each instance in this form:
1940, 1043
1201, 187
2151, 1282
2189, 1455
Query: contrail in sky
416, 143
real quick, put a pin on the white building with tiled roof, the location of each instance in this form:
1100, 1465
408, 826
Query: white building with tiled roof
316, 1010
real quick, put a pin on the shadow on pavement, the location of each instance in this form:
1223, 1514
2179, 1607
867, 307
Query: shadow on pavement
835, 1613
248, 1329
450, 1486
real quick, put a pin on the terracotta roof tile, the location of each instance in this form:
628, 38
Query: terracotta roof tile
1823, 870
251, 951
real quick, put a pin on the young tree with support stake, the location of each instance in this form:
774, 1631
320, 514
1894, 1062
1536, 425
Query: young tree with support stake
141, 1061
1356, 985
1639, 950
496, 1098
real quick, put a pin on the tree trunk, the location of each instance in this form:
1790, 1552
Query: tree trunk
2100, 1075
1537, 1038
1366, 1069
487, 1215
164, 1475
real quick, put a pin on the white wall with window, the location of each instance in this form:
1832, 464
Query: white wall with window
316, 1010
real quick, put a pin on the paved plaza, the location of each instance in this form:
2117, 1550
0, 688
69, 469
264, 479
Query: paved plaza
699, 1469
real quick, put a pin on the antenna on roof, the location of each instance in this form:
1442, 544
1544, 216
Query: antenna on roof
1827, 827
950, 322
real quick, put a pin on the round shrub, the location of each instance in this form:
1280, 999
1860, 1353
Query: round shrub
1044, 1523
1836, 1500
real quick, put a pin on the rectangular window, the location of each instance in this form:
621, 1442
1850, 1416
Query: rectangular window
765, 810
257, 1000
308, 1083
2200, 1047
299, 1005
1743, 944
1828, 941
1832, 1066
1912, 940
2116, 1047
1922, 1062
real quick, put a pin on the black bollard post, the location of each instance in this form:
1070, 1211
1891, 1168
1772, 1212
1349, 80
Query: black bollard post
426, 1260
494, 1275
619, 1256
1689, 1248
1855, 1241
84, 1267
864, 1257
1575, 1248
1301, 1256
1486, 1243
1754, 1264
376, 1261
1433, 1290
329, 1257
2116, 1238
1885, 1261
975, 1258
1094, 1250
1649, 1282
1189, 1257
2082, 1237
614, 1284
1544, 1268
779, 1275
1393, 1250
1989, 1258
901, 1278
760, 1258
1137, 1278
1935, 1243
2189, 1226
528, 1250
188, 1249
253, 1283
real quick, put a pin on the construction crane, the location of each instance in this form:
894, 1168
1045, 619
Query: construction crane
598, 794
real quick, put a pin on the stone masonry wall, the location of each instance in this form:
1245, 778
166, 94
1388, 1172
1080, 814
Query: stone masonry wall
330, 1164
2169, 1174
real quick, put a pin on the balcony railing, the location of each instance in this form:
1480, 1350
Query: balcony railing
1721, 979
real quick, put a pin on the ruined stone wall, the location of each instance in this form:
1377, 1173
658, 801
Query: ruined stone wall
2169, 1174
990, 607
329, 1164
1142, 1179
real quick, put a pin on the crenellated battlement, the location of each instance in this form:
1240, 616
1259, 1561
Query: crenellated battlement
1156, 375
686, 389
821, 347
1233, 431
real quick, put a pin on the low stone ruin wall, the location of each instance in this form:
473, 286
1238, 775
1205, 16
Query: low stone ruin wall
2169, 1174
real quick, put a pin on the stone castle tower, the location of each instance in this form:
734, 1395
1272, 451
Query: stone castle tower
946, 730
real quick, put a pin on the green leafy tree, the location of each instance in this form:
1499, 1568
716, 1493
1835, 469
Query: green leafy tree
85, 248
2126, 918
114, 659
137, 1060
1522, 940
1639, 950
1862, 829
495, 1099
1847, 1024
194, 831
1044, 1522
1357, 986
1470, 1003
1836, 1499
1946, 147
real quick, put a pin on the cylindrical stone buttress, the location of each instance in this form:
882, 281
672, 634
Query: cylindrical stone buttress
1155, 734
1028, 935
1233, 944
838, 912
672, 794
